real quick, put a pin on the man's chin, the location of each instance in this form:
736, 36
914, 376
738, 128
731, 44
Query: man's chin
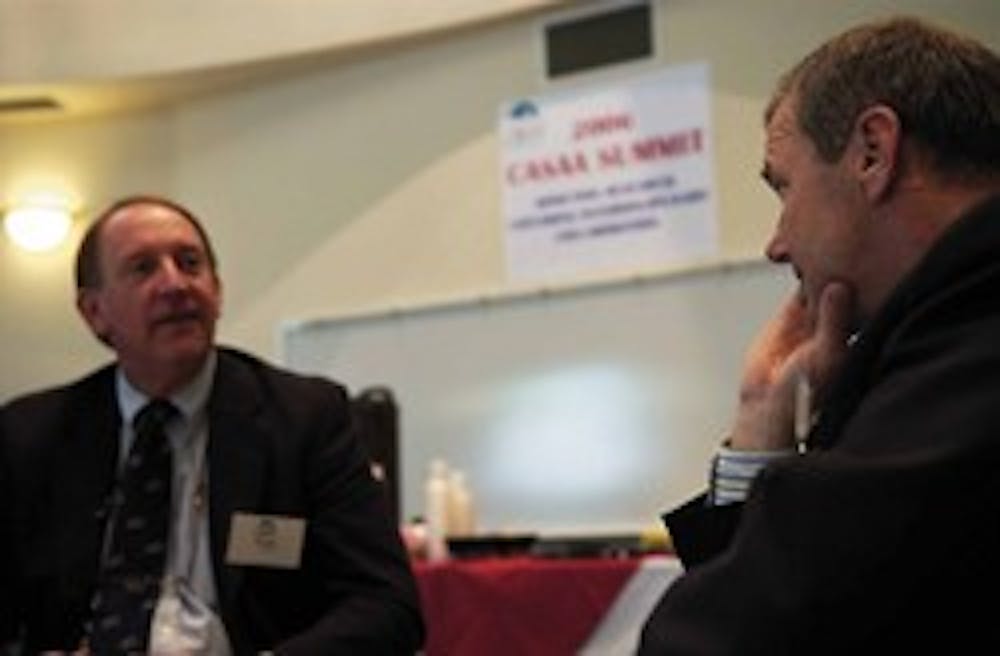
181, 330
183, 342
806, 298
809, 300
801, 296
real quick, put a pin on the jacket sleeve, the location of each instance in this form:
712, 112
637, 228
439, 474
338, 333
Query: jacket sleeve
839, 547
699, 531
357, 551
8, 618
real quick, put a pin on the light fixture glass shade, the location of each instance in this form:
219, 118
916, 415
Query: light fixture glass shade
37, 228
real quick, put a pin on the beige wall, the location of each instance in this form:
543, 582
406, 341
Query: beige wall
372, 182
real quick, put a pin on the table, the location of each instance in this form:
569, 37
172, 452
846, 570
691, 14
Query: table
546, 606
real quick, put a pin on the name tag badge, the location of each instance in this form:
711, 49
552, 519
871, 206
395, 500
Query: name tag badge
265, 541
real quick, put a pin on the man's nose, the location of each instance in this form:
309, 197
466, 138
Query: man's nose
171, 277
776, 251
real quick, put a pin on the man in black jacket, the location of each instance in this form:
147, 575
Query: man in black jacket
278, 529
855, 505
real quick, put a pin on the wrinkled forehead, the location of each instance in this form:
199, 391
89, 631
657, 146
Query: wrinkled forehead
781, 129
145, 228
144, 221
782, 121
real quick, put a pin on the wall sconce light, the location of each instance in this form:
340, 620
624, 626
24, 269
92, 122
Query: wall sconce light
37, 227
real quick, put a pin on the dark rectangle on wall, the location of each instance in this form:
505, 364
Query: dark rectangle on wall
611, 37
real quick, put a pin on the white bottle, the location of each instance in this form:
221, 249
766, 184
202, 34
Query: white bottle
461, 516
436, 510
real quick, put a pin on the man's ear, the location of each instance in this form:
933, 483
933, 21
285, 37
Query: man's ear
88, 303
874, 150
218, 289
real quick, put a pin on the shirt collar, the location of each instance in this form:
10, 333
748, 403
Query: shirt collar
189, 400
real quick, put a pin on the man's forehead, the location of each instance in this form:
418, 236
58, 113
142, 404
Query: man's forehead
145, 210
780, 130
131, 219
782, 133
135, 229
783, 122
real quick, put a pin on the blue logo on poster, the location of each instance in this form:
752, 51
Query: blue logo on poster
523, 109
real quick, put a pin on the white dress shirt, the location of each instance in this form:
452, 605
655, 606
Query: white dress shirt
188, 556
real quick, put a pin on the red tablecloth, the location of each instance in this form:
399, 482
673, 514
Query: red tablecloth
521, 605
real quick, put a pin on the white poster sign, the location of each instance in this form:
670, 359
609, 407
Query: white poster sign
609, 180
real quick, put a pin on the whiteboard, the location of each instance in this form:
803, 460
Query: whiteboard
584, 410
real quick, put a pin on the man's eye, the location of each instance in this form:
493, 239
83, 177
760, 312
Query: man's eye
142, 267
190, 261
779, 187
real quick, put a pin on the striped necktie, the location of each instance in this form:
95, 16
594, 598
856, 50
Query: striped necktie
135, 555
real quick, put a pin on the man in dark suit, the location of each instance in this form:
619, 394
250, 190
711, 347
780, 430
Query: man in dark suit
874, 529
277, 527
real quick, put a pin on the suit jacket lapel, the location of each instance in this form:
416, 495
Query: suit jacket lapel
92, 452
237, 457
83, 475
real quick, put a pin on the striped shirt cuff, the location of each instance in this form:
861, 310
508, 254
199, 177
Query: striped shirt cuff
733, 471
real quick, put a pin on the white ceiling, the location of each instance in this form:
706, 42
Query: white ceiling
97, 56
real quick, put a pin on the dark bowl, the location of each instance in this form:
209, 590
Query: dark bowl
490, 546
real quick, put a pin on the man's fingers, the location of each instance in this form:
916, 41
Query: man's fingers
834, 323
836, 315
